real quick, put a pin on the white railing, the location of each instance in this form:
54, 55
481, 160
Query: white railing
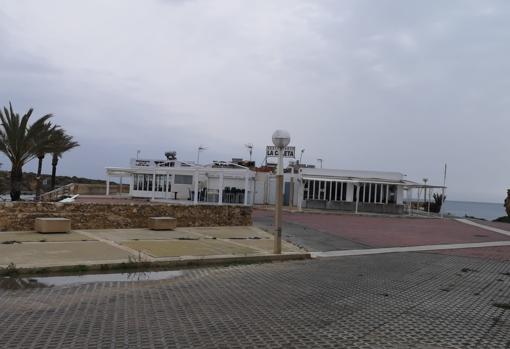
58, 193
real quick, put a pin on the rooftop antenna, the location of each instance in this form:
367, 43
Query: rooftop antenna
249, 146
201, 148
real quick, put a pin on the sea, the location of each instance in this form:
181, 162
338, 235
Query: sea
484, 210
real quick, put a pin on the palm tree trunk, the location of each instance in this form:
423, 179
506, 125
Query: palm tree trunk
38, 178
54, 163
16, 180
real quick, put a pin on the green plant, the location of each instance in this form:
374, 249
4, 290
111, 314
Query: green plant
135, 262
439, 199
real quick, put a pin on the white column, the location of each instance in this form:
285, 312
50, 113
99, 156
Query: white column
442, 203
166, 185
220, 190
410, 198
154, 184
254, 187
357, 197
195, 196
107, 184
266, 190
246, 187
300, 194
291, 190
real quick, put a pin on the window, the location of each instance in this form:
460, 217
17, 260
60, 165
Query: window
183, 179
375, 193
324, 190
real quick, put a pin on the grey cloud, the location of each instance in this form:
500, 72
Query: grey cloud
383, 85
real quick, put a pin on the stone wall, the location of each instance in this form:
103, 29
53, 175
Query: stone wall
21, 215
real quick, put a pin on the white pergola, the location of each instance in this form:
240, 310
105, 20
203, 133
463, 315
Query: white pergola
357, 182
427, 189
220, 170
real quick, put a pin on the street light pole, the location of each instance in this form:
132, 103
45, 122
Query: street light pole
200, 149
249, 146
281, 139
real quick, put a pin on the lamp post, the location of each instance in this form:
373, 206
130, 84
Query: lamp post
200, 149
281, 139
249, 146
301, 156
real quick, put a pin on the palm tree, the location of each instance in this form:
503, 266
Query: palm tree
20, 141
44, 148
60, 142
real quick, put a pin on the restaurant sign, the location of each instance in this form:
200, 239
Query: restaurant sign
288, 152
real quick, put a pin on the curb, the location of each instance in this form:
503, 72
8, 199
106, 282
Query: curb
158, 264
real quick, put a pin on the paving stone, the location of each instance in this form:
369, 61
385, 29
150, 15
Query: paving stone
407, 300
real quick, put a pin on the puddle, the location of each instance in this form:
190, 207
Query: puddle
17, 283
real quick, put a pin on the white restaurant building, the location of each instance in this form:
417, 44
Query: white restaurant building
305, 188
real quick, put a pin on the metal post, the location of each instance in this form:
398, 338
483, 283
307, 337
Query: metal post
120, 184
279, 204
428, 202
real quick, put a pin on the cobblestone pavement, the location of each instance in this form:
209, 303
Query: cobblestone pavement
403, 300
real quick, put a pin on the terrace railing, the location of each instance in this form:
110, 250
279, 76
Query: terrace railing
57, 194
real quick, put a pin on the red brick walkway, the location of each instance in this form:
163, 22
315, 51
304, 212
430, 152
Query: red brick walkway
391, 232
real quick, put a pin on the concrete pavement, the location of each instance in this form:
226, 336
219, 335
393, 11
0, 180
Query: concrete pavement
97, 248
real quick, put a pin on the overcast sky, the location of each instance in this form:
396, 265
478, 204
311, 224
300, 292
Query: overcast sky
373, 85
